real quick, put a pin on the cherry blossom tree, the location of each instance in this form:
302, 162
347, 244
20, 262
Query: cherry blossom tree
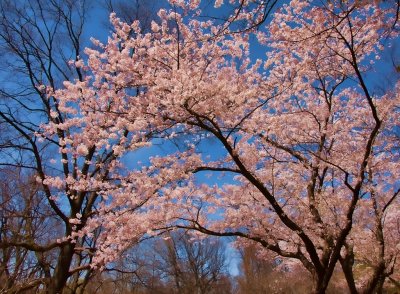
376, 249
38, 39
308, 147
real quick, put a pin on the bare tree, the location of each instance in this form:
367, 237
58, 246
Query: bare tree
254, 272
24, 218
176, 263
37, 41
145, 11
192, 265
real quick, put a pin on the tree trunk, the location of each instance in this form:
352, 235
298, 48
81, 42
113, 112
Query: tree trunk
375, 285
320, 283
61, 273
347, 266
320, 288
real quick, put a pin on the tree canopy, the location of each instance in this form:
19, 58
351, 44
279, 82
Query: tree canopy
306, 125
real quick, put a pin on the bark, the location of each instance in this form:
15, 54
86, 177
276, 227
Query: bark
61, 273
320, 285
375, 284
347, 263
